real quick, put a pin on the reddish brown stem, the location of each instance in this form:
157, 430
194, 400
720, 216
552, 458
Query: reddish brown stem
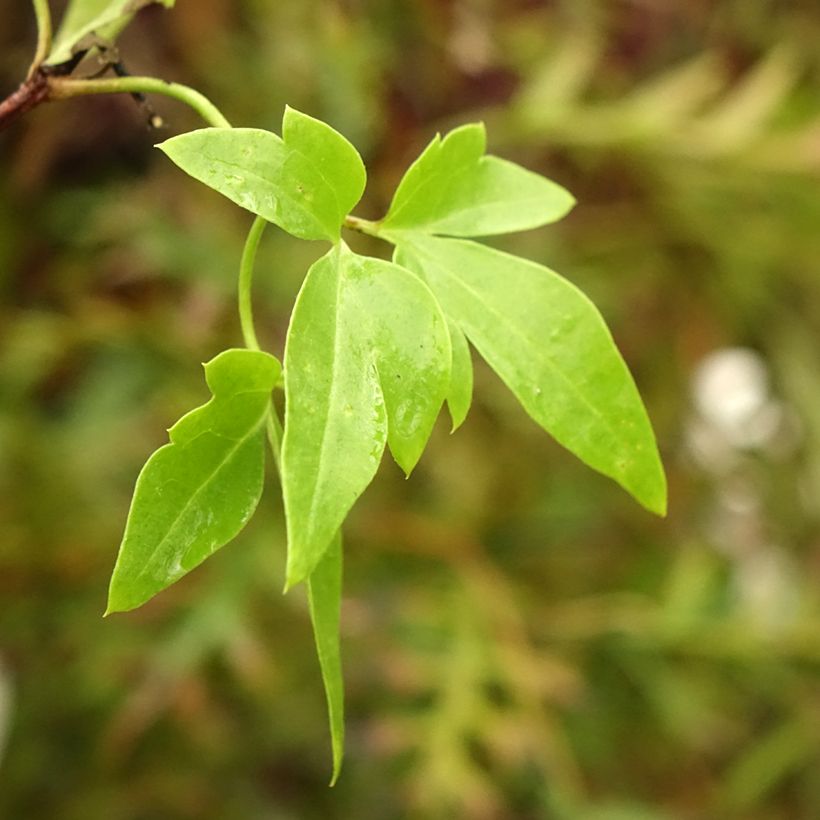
30, 94
36, 89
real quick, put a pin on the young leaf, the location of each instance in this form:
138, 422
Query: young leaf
367, 361
104, 18
325, 600
454, 189
196, 493
305, 183
460, 392
550, 346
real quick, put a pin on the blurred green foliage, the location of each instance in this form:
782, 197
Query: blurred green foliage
521, 640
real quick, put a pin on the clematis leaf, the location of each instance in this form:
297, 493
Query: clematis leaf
197, 492
454, 189
305, 181
367, 363
550, 346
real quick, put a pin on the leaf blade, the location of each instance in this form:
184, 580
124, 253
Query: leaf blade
549, 344
414, 355
454, 189
320, 385
324, 600
356, 379
336, 160
460, 392
305, 182
196, 493
105, 18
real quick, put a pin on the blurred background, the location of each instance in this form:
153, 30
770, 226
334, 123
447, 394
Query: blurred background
521, 640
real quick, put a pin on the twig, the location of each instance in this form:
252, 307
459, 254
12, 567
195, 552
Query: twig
43, 14
36, 89
30, 94
62, 88
50, 83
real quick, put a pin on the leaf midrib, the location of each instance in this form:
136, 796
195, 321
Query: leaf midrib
340, 212
331, 393
200, 488
478, 209
527, 342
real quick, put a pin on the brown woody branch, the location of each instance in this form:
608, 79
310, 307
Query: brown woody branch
33, 92
36, 89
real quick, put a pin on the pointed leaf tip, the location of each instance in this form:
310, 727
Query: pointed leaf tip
325, 600
658, 501
550, 345
460, 392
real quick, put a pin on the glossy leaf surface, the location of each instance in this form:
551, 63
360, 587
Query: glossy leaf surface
305, 183
325, 600
367, 362
196, 493
103, 18
454, 189
549, 344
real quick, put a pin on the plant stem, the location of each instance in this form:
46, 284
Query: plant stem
63, 88
273, 426
42, 13
355, 223
29, 95
245, 281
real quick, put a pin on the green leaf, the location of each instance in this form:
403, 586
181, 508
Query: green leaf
325, 600
454, 189
460, 392
103, 18
367, 362
550, 346
305, 183
196, 493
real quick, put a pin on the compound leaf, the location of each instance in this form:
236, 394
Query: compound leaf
196, 493
453, 188
103, 18
325, 600
550, 346
305, 183
367, 362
